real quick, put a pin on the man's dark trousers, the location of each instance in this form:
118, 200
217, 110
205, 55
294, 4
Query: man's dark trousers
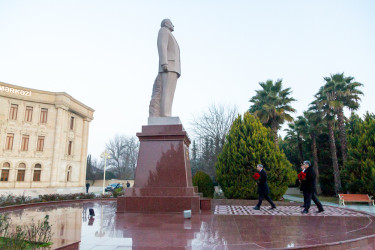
308, 196
265, 196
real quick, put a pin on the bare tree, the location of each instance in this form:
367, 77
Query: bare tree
131, 155
214, 124
209, 130
124, 153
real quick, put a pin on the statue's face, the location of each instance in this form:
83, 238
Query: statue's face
169, 25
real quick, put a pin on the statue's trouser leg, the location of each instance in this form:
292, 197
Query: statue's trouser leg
169, 81
154, 109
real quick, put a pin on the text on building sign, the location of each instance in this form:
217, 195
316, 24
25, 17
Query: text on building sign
15, 91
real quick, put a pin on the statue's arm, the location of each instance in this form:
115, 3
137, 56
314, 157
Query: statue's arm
162, 46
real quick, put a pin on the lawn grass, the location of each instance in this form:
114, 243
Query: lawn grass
6, 243
331, 199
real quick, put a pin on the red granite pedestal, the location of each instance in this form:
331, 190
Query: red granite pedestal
163, 176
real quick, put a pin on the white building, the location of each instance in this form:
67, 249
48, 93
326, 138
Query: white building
43, 138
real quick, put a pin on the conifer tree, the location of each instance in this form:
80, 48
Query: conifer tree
249, 143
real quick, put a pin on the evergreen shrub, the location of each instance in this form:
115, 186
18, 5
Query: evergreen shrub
249, 143
204, 183
359, 170
117, 192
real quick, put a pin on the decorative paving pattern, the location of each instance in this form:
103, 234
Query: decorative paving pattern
284, 211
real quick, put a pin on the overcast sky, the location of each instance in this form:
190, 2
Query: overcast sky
104, 53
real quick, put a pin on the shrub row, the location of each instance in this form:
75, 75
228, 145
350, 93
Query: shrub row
204, 183
9, 200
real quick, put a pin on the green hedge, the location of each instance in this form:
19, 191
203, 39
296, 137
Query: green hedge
204, 183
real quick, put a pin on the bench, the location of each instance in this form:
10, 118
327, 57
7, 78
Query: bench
355, 198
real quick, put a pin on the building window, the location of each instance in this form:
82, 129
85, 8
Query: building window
9, 142
43, 115
71, 123
70, 148
13, 112
4, 175
37, 172
21, 175
40, 144
21, 172
25, 143
5, 172
69, 174
29, 114
36, 176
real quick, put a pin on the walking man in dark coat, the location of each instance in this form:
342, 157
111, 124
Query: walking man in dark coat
87, 187
302, 185
309, 188
263, 189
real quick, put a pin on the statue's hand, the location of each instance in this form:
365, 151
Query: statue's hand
165, 67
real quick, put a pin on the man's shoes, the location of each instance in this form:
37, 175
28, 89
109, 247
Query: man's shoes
304, 212
302, 206
320, 211
272, 208
256, 208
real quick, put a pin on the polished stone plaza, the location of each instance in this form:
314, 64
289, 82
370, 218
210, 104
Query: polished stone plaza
226, 227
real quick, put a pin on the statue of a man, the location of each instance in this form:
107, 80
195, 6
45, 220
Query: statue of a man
169, 71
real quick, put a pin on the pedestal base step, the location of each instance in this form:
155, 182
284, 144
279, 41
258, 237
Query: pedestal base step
205, 204
160, 204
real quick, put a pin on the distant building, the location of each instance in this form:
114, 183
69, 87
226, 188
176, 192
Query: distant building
43, 138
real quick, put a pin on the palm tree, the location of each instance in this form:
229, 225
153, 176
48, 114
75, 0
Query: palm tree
314, 126
322, 105
342, 92
294, 132
272, 106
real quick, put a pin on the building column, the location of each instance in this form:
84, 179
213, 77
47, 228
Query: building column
12, 176
59, 144
85, 137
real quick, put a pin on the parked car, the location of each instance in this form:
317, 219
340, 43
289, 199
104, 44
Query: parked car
113, 186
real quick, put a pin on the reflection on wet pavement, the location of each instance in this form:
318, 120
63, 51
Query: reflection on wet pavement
65, 221
108, 230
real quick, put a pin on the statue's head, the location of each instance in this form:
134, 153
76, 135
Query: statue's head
168, 24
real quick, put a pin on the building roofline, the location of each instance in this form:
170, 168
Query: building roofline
43, 92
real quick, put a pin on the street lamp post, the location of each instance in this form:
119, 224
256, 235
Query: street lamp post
106, 156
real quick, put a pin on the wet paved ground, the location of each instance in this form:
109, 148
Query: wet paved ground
108, 230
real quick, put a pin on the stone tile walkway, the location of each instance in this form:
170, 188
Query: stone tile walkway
284, 211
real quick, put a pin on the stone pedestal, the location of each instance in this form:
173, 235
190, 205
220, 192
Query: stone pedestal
163, 176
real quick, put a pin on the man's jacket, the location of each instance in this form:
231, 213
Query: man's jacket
262, 184
169, 51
